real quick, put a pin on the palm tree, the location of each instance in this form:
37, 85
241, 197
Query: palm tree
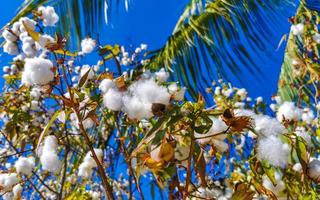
212, 37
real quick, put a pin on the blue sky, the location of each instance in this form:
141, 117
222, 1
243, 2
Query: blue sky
152, 21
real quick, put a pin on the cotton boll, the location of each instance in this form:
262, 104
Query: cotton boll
113, 99
179, 95
288, 111
273, 107
259, 100
28, 49
88, 123
17, 190
89, 157
297, 167
105, 85
44, 40
16, 28
307, 116
87, 45
314, 170
10, 180
85, 170
266, 126
242, 93
218, 126
37, 71
8, 196
136, 109
149, 91
143, 46
173, 88
181, 152
50, 142
162, 75
24, 165
9, 36
316, 38
10, 48
273, 151
35, 93
297, 29
217, 90
50, 161
227, 92
48, 15
31, 24
84, 70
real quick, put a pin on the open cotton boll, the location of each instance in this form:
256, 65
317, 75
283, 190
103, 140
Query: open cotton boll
8, 180
35, 93
214, 133
272, 150
9, 36
85, 170
149, 91
288, 111
89, 157
17, 190
48, 15
50, 142
113, 99
242, 93
105, 85
136, 109
24, 165
316, 38
16, 28
297, 29
307, 115
179, 95
37, 71
87, 45
50, 161
173, 88
314, 170
84, 70
162, 75
266, 126
10, 48
30, 23
44, 40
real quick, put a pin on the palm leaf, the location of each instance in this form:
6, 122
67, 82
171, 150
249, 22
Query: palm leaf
217, 38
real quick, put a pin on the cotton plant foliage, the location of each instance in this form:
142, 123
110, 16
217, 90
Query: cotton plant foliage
77, 131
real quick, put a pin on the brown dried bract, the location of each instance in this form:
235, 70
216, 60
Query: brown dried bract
236, 123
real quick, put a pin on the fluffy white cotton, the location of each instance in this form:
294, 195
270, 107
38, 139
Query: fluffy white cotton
316, 38
37, 71
162, 75
272, 150
24, 165
297, 29
8, 180
307, 115
44, 40
17, 190
49, 158
84, 70
87, 45
288, 111
25, 21
48, 15
314, 170
105, 85
35, 93
266, 126
87, 123
112, 99
179, 95
135, 108
10, 48
9, 36
242, 93
86, 167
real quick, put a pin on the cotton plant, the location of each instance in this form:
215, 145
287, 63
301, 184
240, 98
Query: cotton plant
70, 127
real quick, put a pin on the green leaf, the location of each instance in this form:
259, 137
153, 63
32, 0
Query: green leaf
84, 78
269, 172
47, 127
302, 153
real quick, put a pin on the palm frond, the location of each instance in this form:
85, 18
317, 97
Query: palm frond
216, 40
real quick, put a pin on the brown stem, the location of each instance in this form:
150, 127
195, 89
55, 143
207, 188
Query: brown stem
101, 171
188, 179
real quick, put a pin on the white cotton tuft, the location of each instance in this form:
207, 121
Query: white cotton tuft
86, 167
87, 45
113, 99
25, 165
316, 38
179, 95
17, 190
49, 158
37, 71
44, 40
272, 150
297, 29
275, 189
85, 170
8, 180
314, 170
9, 36
288, 111
10, 48
105, 85
135, 108
302, 132
35, 93
242, 93
266, 126
84, 70
25, 21
48, 15
162, 75
307, 115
